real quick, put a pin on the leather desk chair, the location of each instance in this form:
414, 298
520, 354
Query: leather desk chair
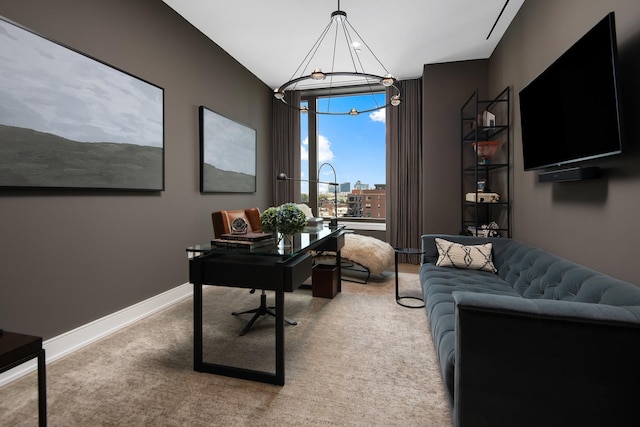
222, 220
222, 225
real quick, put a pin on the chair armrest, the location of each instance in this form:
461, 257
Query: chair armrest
543, 362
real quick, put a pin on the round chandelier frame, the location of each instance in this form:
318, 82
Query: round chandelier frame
357, 77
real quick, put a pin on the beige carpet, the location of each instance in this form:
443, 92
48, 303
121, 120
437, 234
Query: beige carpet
356, 360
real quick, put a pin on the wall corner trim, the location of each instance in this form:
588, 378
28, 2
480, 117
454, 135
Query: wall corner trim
68, 342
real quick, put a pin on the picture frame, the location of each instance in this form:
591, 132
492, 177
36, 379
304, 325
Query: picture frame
70, 121
227, 154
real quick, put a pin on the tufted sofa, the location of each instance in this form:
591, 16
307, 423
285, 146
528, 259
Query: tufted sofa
542, 342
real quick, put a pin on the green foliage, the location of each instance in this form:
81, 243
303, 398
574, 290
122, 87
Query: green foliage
268, 220
286, 219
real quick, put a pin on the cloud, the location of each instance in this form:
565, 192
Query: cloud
324, 149
379, 115
52, 89
229, 146
304, 150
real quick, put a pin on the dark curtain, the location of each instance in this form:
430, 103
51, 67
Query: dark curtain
404, 168
286, 148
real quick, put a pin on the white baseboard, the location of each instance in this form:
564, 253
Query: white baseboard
75, 339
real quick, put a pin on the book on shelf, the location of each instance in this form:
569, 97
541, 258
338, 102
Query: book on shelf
243, 244
249, 236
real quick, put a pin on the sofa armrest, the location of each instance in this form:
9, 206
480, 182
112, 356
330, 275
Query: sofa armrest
543, 362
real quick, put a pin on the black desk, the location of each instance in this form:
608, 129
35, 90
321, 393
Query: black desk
276, 268
16, 349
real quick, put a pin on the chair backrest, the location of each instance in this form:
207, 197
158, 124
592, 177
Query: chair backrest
222, 220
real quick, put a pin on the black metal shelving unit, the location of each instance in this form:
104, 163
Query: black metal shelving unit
495, 172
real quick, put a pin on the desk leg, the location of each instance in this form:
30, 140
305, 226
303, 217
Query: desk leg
42, 389
397, 295
280, 335
197, 328
339, 265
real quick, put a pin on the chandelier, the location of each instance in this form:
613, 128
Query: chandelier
349, 50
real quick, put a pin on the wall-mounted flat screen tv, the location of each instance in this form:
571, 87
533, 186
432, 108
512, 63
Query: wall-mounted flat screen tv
571, 111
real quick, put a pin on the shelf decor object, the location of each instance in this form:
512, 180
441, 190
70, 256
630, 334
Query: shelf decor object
68, 120
486, 149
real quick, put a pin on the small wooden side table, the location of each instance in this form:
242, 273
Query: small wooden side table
16, 349
407, 251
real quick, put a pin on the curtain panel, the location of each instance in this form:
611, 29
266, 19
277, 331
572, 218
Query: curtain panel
404, 168
286, 148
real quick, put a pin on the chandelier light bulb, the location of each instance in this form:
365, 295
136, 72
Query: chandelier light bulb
353, 112
395, 100
278, 94
318, 74
388, 80
304, 109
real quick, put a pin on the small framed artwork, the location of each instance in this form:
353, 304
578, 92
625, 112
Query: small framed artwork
227, 153
71, 121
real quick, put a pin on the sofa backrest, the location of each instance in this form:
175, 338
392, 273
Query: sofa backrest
535, 273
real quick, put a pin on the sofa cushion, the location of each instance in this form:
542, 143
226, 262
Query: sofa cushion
474, 257
438, 284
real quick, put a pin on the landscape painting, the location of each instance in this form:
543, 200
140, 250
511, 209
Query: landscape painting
228, 155
71, 121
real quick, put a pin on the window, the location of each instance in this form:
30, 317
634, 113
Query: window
354, 145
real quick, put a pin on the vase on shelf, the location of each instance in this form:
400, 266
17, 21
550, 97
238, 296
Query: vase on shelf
485, 150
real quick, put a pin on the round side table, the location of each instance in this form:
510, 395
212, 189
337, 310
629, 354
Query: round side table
406, 251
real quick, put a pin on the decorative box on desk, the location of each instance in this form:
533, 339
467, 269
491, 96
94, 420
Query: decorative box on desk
324, 281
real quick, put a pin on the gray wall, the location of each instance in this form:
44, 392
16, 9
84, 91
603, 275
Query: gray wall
446, 87
591, 222
70, 257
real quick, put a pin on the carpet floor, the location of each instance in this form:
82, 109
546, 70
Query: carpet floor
358, 359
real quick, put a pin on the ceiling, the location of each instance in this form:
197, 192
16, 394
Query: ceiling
271, 38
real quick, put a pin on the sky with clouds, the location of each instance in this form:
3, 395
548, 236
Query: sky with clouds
229, 145
49, 88
355, 146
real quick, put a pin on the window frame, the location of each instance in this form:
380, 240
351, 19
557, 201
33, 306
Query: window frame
310, 97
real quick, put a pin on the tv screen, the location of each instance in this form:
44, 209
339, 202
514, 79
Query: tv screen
571, 111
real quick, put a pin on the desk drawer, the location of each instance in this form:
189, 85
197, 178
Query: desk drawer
250, 271
331, 245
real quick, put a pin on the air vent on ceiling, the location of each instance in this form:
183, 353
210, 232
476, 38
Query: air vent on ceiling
497, 19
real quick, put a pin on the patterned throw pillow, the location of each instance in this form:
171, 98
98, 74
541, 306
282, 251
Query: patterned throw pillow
474, 257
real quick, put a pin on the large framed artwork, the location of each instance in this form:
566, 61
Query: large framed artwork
71, 121
227, 153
